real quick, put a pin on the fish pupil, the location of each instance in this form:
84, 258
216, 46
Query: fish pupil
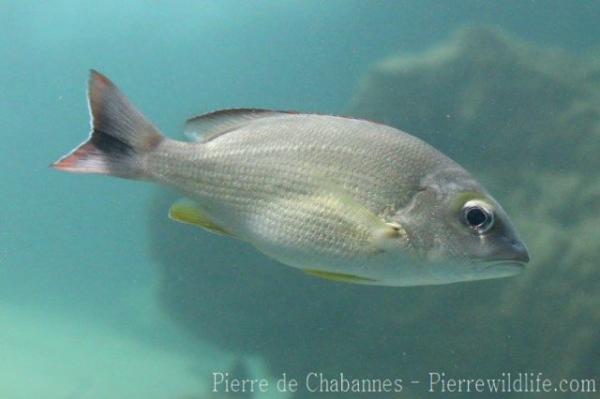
476, 217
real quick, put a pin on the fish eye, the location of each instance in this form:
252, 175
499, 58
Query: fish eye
477, 216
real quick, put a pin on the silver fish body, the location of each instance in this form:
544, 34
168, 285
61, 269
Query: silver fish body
342, 198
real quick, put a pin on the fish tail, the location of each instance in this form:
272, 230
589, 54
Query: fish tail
120, 138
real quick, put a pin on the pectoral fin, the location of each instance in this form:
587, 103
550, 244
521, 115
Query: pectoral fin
188, 211
339, 277
334, 195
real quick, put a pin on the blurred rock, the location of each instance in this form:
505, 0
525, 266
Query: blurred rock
524, 120
486, 99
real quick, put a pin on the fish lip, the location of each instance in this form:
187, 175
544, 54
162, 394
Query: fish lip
505, 267
507, 262
521, 256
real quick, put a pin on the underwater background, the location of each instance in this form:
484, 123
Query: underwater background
101, 296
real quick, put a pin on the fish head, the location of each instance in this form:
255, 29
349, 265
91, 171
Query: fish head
458, 230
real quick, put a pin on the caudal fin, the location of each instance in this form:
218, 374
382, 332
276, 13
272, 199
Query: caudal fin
120, 136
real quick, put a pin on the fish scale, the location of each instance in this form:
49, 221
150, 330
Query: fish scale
237, 163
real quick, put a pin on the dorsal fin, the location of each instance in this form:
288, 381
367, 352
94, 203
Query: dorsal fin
206, 127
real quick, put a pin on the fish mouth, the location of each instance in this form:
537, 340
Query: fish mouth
511, 251
505, 267
508, 259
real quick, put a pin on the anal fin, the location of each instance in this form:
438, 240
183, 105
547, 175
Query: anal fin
339, 277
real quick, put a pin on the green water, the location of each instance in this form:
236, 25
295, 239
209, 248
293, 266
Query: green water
101, 296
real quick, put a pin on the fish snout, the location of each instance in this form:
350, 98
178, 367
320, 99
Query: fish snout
510, 250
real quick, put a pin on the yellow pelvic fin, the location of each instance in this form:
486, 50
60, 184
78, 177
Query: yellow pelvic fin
188, 211
340, 277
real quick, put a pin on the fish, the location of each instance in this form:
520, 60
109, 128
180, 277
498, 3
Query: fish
341, 198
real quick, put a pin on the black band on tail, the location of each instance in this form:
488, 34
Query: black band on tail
120, 138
